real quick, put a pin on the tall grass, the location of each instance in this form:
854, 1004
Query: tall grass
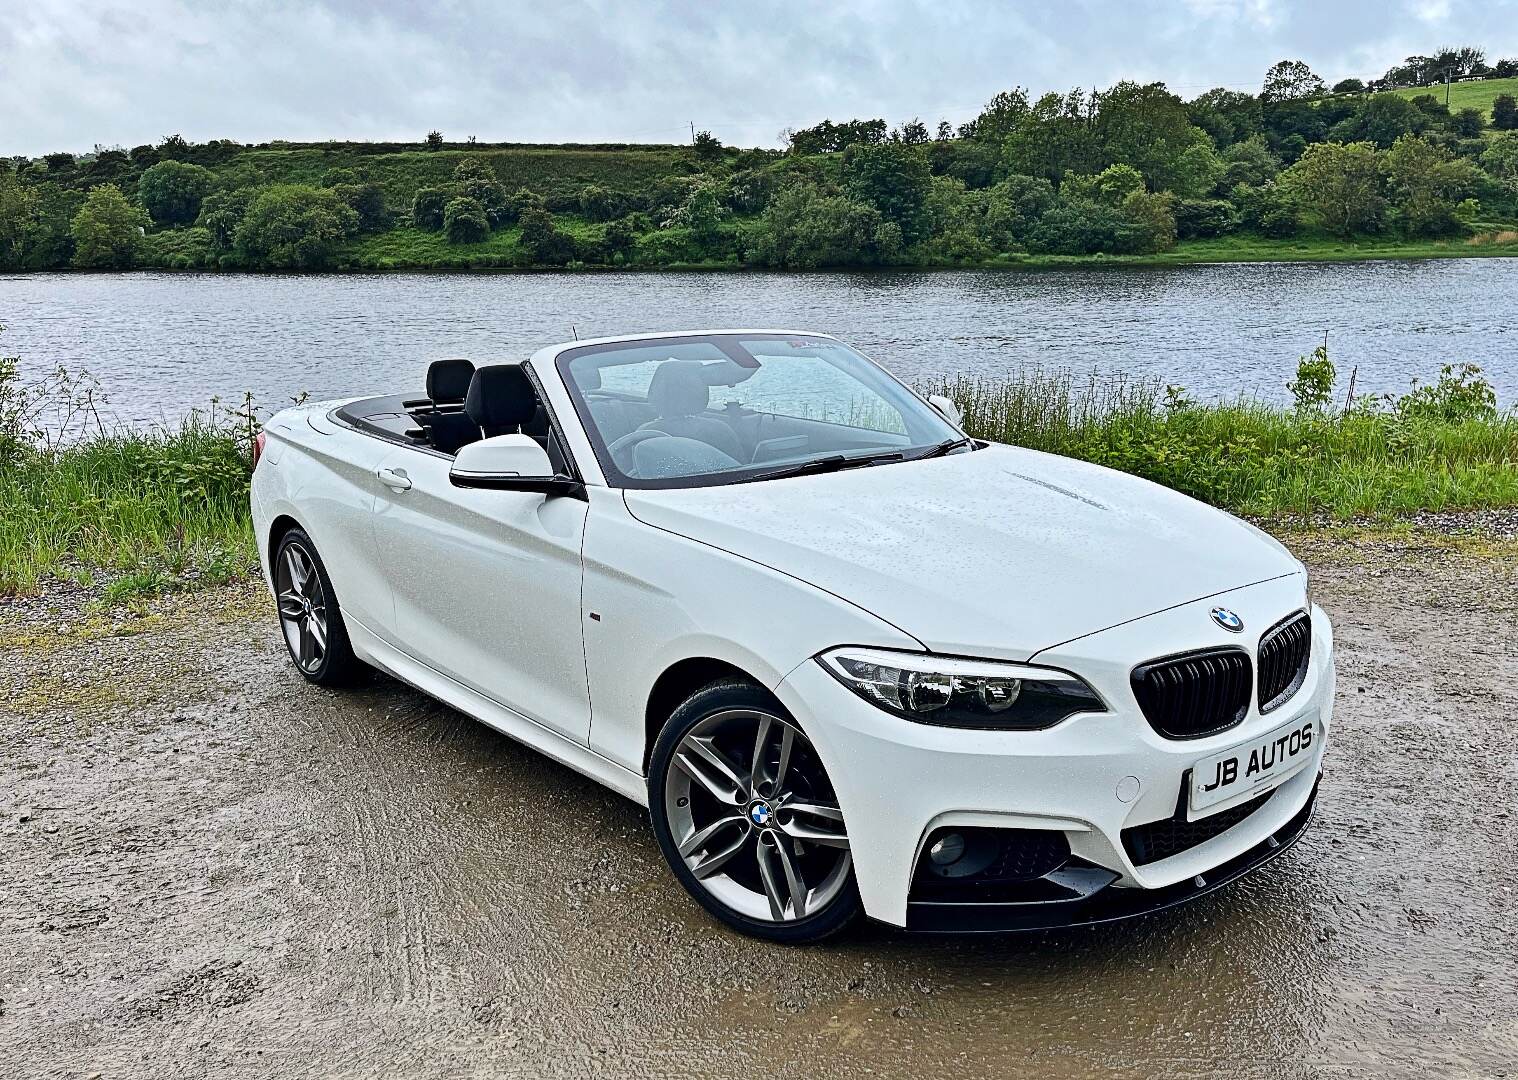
1249, 456
148, 510
144, 511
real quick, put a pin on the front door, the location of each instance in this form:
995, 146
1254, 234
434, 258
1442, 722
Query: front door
486, 586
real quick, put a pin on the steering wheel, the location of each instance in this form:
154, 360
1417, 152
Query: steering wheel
621, 449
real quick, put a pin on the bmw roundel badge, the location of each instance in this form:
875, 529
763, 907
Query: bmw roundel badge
1228, 620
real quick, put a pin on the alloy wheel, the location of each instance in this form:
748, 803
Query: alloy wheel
754, 817
302, 606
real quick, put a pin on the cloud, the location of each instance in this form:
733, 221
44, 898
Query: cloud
1431, 11
127, 72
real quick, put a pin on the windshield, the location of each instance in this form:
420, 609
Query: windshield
693, 411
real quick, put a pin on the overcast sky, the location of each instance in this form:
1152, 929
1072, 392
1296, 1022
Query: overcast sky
78, 72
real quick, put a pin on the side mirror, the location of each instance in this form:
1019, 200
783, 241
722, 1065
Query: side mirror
948, 408
509, 463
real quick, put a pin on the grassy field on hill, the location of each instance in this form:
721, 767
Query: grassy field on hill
1131, 174
1478, 94
400, 173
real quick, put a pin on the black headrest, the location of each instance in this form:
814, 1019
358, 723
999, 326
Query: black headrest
448, 380
500, 396
678, 388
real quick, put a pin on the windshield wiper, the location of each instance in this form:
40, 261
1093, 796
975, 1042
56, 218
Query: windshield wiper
831, 463
948, 446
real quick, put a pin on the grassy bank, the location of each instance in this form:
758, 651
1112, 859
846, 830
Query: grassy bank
135, 512
1379, 459
417, 249
128, 511
131, 513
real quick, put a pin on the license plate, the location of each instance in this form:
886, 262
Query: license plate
1256, 766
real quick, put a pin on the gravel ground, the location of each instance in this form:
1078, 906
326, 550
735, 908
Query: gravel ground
211, 869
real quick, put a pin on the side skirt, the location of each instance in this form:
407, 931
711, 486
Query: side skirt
372, 649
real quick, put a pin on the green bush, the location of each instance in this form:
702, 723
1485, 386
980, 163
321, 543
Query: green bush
1461, 394
1013, 207
597, 203
1313, 388
368, 202
1425, 186
1074, 227
1269, 210
464, 221
1340, 185
294, 227
542, 240
190, 248
476, 180
618, 240
18, 218
107, 231
895, 180
803, 228
171, 191
1505, 113
522, 200
427, 208
1153, 221
1249, 162
221, 212
1204, 218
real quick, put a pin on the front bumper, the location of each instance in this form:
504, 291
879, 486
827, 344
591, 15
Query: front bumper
1104, 904
1088, 779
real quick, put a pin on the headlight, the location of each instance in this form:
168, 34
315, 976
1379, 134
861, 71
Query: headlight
961, 693
1306, 585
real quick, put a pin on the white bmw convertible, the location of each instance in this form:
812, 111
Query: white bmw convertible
853, 662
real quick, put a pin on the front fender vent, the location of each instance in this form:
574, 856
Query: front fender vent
1196, 693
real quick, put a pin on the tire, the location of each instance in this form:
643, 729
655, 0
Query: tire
755, 836
310, 619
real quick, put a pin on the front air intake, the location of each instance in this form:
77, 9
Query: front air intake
1195, 694
1159, 840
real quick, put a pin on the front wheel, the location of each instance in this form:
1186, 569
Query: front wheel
309, 615
747, 817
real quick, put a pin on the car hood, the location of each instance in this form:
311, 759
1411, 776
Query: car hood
1002, 552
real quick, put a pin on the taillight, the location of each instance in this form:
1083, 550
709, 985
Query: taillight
258, 448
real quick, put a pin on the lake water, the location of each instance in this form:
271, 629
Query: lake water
164, 343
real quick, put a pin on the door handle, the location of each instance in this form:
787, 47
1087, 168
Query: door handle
394, 479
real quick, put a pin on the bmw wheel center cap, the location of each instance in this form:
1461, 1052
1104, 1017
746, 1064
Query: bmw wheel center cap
759, 813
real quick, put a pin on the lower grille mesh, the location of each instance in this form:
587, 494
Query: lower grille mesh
1161, 839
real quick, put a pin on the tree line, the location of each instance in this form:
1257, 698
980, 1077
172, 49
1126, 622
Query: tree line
1130, 170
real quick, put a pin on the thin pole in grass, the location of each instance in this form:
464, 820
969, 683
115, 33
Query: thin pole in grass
247, 408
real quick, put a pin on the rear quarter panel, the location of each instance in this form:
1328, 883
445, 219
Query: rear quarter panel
321, 475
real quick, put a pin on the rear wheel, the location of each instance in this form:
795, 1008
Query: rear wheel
309, 615
747, 817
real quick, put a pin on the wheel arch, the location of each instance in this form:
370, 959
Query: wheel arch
281, 524
679, 681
